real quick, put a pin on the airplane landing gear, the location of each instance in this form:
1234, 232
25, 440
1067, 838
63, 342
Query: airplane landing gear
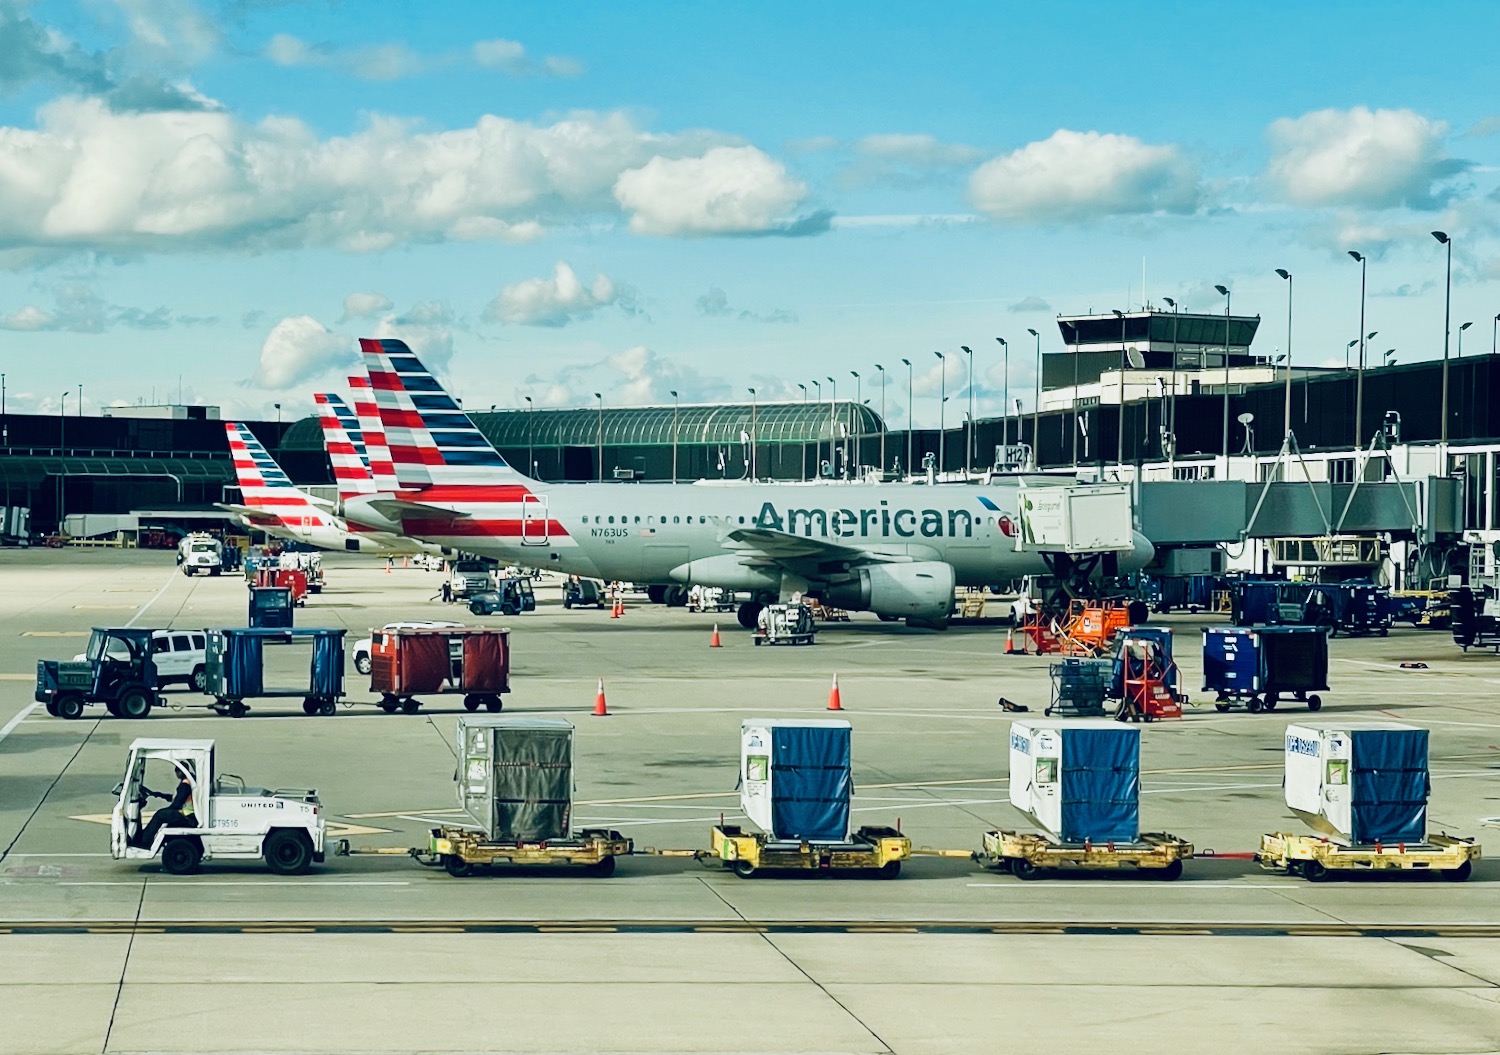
748, 613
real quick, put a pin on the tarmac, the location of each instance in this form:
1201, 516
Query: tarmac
374, 953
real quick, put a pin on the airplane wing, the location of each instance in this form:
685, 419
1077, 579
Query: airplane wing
395, 508
248, 511
794, 551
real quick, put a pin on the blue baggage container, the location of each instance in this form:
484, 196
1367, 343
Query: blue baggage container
1257, 667
1162, 637
234, 667
813, 779
1079, 781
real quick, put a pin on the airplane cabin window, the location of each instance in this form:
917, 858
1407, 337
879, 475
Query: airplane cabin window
611, 520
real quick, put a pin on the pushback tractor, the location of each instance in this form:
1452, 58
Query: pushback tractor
118, 670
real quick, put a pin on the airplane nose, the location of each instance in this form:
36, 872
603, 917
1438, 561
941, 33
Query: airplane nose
1141, 554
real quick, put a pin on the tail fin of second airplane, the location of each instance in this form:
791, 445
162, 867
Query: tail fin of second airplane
431, 439
377, 453
350, 472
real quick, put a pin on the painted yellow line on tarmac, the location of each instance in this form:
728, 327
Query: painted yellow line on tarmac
56, 633
17, 677
105, 607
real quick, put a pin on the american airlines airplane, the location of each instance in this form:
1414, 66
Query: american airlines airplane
894, 549
273, 504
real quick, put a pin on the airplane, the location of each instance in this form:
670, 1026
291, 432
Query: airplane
273, 504
897, 550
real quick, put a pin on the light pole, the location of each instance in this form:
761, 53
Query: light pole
910, 424
1224, 292
530, 453
883, 429
1493, 328
833, 422
62, 472
1172, 425
1036, 404
278, 423
942, 408
1443, 238
753, 435
1461, 330
1359, 384
969, 438
804, 442
1287, 409
1347, 349
80, 400
674, 434
1120, 430
599, 434
1005, 394
859, 401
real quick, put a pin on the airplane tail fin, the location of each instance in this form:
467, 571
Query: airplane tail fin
377, 452
350, 471
431, 439
265, 486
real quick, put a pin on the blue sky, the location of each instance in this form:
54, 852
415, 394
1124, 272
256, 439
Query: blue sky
556, 201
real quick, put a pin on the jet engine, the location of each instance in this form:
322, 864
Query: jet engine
922, 592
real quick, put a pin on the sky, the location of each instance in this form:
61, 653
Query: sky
218, 197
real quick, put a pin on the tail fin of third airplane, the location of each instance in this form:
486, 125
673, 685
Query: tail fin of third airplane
377, 453
431, 439
350, 472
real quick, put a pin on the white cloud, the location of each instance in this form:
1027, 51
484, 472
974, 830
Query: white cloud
1359, 157
509, 56
286, 50
91, 178
633, 377
950, 375
378, 62
715, 304
299, 348
727, 190
427, 329
554, 301
923, 150
79, 308
1029, 303
366, 305
1075, 176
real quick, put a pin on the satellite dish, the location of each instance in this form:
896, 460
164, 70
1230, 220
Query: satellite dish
1134, 357
1245, 419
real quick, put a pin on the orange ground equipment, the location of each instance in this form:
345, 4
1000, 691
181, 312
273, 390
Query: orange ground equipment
1145, 674
1092, 625
1037, 636
408, 661
293, 579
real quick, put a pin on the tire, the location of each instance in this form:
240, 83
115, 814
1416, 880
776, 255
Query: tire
456, 866
1221, 707
1271, 702
309, 706
602, 869
1315, 871
388, 704
494, 704
180, 855
52, 707
1170, 873
1253, 705
748, 613
362, 662
889, 870
1021, 868
472, 702
410, 705
1315, 702
744, 869
237, 709
1459, 874
134, 703
567, 605
288, 853
113, 707
199, 679
70, 706
328, 707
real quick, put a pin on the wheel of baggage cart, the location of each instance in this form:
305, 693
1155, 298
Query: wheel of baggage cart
237, 709
1253, 705
135, 702
410, 705
388, 703
1271, 701
180, 855
69, 705
494, 704
328, 706
744, 869
1459, 874
1021, 868
1221, 707
1315, 702
1172, 872
456, 866
889, 870
603, 868
288, 853
309, 706
1315, 871
473, 701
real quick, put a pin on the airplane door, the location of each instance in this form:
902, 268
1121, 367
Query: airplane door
534, 521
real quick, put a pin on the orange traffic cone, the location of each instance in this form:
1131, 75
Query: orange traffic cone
601, 709
714, 641
1010, 643
614, 612
834, 702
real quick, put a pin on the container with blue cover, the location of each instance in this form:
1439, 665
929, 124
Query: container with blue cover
1359, 783
1258, 667
235, 668
796, 778
1078, 779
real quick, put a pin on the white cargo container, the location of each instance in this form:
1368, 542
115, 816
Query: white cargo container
1359, 782
810, 797
1076, 518
1078, 779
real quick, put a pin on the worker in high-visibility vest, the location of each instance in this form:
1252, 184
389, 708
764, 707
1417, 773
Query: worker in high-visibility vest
178, 813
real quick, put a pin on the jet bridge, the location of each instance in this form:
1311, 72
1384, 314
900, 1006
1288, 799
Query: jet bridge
1207, 512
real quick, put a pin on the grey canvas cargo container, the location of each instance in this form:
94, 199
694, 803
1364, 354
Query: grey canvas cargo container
515, 776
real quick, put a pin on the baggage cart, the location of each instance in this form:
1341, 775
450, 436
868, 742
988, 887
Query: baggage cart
1028, 856
234, 664
1144, 677
1079, 687
1318, 859
872, 850
406, 662
461, 850
1258, 667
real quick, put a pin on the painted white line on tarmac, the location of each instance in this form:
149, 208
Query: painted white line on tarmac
17, 720
237, 882
171, 577
1155, 884
60, 855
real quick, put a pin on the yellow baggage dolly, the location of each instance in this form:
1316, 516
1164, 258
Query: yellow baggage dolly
872, 849
1316, 859
1028, 856
461, 850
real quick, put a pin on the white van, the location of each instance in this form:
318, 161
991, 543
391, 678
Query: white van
200, 553
178, 655
470, 577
